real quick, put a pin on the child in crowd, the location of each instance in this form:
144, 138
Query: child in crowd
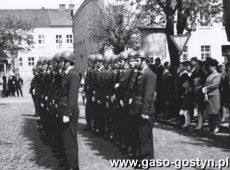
186, 103
199, 103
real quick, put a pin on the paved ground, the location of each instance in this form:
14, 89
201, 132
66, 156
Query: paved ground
24, 147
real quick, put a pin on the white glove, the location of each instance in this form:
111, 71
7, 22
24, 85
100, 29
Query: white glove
46, 98
42, 105
93, 99
122, 103
113, 98
56, 106
117, 85
130, 101
65, 119
204, 90
33, 91
144, 116
99, 102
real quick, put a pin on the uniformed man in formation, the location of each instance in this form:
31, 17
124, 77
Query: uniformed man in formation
120, 101
54, 89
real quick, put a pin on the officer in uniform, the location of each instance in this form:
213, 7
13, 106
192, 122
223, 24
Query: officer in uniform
88, 91
142, 107
69, 110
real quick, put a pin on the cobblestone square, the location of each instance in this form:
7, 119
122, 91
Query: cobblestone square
24, 147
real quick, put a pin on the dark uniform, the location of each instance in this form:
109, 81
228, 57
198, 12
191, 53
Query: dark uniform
69, 107
68, 104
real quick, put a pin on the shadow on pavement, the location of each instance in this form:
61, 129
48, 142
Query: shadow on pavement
46, 150
199, 139
101, 147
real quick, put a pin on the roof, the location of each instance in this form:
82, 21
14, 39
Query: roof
40, 17
152, 26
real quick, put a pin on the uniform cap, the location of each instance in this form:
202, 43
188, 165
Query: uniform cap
123, 55
132, 54
68, 56
142, 54
56, 57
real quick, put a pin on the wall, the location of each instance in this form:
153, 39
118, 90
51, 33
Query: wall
47, 50
83, 46
214, 36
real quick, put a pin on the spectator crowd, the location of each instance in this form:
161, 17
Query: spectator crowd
195, 91
12, 86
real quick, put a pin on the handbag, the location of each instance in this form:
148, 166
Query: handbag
195, 112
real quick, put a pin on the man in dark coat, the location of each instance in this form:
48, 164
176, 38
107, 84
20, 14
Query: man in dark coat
159, 70
11, 85
69, 111
142, 108
4, 85
18, 85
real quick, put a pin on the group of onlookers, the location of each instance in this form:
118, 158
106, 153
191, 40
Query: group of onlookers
12, 86
195, 88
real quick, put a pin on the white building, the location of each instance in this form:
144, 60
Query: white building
52, 33
207, 41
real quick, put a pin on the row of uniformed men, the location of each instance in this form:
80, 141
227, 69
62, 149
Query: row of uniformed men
120, 101
54, 89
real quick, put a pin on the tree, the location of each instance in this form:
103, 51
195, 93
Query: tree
14, 36
116, 27
185, 13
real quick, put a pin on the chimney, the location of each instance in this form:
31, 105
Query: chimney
61, 7
43, 7
71, 6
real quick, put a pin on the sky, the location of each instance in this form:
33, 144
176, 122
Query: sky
36, 4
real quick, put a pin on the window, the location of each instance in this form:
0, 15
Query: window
205, 51
69, 39
30, 61
185, 54
58, 39
41, 39
20, 61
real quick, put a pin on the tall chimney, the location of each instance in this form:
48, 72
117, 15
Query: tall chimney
61, 7
71, 6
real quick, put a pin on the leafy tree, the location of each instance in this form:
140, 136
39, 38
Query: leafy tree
182, 14
15, 36
116, 27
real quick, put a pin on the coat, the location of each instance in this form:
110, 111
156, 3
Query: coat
143, 94
69, 93
212, 84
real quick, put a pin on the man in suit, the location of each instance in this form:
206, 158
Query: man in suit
142, 107
19, 83
159, 70
69, 110
88, 92
4, 85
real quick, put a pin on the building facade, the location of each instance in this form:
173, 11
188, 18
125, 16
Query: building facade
207, 41
52, 33
83, 45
